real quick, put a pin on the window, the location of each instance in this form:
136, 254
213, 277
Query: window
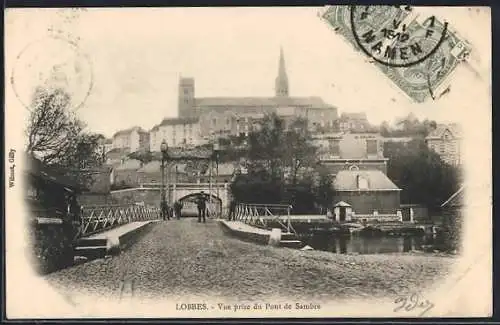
371, 147
362, 183
334, 146
214, 122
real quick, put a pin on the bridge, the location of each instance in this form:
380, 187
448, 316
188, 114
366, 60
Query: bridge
149, 193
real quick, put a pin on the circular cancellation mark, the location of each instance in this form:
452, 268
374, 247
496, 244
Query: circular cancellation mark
381, 33
52, 64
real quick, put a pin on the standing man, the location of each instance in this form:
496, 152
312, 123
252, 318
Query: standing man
178, 209
232, 210
165, 210
201, 203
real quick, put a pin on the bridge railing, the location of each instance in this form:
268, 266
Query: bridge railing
261, 215
95, 219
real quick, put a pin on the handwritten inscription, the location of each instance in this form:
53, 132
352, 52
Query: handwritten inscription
12, 167
413, 302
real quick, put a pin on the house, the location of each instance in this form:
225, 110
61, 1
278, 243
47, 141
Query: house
116, 156
361, 150
99, 187
125, 174
368, 193
445, 140
176, 132
150, 173
353, 122
133, 139
49, 190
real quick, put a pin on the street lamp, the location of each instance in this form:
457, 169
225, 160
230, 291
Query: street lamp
216, 149
164, 156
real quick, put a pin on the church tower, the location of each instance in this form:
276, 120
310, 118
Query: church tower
281, 83
186, 97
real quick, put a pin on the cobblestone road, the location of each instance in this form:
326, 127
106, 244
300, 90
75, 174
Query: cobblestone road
185, 257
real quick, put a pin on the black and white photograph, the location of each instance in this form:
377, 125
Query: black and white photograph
235, 162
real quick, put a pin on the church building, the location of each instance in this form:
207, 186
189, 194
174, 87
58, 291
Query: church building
223, 116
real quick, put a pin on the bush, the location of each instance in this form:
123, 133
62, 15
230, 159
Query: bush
52, 246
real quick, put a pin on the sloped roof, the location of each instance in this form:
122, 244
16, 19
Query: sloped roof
456, 199
260, 101
129, 164
185, 153
129, 130
347, 180
178, 120
35, 167
155, 166
342, 204
355, 116
117, 153
438, 133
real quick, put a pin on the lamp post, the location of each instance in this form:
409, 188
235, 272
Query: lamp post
216, 149
164, 156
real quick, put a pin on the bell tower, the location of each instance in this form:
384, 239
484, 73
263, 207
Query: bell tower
186, 97
281, 83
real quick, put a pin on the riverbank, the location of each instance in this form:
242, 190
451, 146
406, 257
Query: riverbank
184, 257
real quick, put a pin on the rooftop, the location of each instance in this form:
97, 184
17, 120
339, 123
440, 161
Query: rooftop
315, 102
438, 133
347, 180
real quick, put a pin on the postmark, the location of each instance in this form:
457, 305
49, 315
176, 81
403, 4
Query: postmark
418, 54
49, 64
390, 36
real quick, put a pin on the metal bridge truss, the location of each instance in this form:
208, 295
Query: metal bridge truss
95, 219
260, 215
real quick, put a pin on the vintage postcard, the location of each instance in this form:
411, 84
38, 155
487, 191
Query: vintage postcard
248, 162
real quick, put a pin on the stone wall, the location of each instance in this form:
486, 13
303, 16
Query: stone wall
365, 202
147, 195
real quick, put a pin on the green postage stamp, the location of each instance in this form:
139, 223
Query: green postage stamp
419, 54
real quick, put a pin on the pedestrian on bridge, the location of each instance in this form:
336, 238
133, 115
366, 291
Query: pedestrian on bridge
201, 203
232, 210
165, 210
178, 208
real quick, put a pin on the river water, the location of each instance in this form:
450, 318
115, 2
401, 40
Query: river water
346, 244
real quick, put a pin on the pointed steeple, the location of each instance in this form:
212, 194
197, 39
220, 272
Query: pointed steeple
281, 84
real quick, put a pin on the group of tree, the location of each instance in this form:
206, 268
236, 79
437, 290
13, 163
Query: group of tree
59, 139
421, 174
409, 126
282, 168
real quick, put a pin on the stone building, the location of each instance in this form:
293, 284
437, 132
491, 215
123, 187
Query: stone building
177, 132
354, 122
150, 173
445, 140
223, 116
134, 139
368, 193
126, 174
344, 151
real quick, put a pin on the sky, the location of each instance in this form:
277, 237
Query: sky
137, 55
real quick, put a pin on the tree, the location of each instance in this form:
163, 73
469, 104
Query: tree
58, 138
423, 176
143, 156
51, 130
266, 144
297, 150
273, 150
